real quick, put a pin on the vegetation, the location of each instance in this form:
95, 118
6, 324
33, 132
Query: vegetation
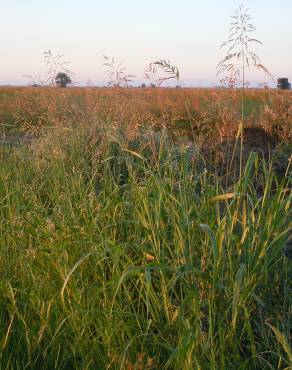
135, 233
123, 243
239, 57
156, 79
62, 79
116, 73
283, 83
58, 72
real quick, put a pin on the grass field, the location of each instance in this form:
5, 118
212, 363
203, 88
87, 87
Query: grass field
129, 241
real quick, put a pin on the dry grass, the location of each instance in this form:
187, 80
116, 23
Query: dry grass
192, 112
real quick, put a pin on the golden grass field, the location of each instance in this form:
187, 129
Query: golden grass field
195, 112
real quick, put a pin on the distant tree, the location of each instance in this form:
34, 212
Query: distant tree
62, 79
283, 83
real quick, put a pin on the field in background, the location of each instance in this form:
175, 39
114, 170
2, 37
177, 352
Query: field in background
192, 112
128, 240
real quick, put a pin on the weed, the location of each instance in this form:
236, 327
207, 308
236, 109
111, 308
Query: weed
116, 73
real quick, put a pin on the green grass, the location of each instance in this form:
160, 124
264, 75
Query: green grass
118, 254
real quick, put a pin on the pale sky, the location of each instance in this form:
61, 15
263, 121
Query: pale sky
187, 32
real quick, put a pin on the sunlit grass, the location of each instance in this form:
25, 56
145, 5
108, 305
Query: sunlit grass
120, 252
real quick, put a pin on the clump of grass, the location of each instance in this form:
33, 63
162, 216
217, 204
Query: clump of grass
116, 72
124, 253
239, 57
153, 76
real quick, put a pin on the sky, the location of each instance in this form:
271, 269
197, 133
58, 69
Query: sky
137, 32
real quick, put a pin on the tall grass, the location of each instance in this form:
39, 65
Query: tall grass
121, 253
239, 57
